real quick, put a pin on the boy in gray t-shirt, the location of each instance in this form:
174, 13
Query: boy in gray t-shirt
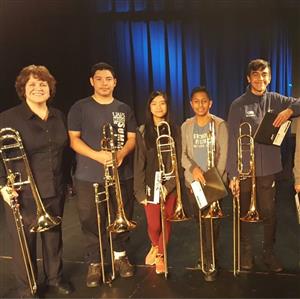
195, 161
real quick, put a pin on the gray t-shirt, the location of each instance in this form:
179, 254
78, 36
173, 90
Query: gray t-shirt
200, 145
88, 117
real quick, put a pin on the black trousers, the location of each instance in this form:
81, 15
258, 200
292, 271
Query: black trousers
51, 242
88, 217
193, 212
265, 197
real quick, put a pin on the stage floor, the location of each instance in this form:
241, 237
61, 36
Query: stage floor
184, 280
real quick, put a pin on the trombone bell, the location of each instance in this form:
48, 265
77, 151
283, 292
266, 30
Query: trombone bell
214, 212
121, 225
251, 216
178, 215
44, 223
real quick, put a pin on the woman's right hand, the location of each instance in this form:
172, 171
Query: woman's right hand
297, 188
8, 194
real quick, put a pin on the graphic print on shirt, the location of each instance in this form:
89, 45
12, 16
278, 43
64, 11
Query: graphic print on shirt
199, 140
119, 125
253, 115
200, 145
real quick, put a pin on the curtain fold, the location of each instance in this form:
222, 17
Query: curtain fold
154, 49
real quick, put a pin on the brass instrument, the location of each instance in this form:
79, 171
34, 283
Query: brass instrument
165, 144
98, 202
11, 144
12, 150
236, 230
111, 179
14, 204
11, 141
214, 211
245, 144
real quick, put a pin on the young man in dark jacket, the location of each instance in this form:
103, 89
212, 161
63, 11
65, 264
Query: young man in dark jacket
251, 107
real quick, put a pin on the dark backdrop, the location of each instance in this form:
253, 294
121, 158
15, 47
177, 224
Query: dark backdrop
171, 45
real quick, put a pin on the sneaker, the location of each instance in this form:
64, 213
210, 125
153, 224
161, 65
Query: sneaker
123, 266
93, 277
159, 264
272, 262
150, 258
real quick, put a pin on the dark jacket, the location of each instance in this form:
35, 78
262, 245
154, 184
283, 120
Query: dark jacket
146, 164
252, 108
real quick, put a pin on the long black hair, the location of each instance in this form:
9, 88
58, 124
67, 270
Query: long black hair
150, 133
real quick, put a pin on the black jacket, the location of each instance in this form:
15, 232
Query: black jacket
146, 164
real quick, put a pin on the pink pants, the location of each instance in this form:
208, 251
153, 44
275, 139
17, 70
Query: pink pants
154, 222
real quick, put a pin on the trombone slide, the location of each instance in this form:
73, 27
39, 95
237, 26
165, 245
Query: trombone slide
297, 206
9, 197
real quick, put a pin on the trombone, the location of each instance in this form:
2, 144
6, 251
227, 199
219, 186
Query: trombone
111, 179
245, 144
11, 142
165, 144
12, 150
214, 211
14, 204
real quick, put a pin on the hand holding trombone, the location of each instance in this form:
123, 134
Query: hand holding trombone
12, 150
111, 180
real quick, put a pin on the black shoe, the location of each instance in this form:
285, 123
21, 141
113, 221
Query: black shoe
272, 262
93, 277
123, 266
211, 276
61, 288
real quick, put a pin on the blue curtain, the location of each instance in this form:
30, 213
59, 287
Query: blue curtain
155, 48
191, 59
140, 61
175, 69
281, 62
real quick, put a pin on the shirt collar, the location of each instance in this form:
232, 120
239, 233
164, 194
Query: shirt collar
29, 114
249, 92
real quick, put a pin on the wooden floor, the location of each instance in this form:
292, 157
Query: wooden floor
185, 280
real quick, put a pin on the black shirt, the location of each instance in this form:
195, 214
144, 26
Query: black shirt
44, 143
88, 117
